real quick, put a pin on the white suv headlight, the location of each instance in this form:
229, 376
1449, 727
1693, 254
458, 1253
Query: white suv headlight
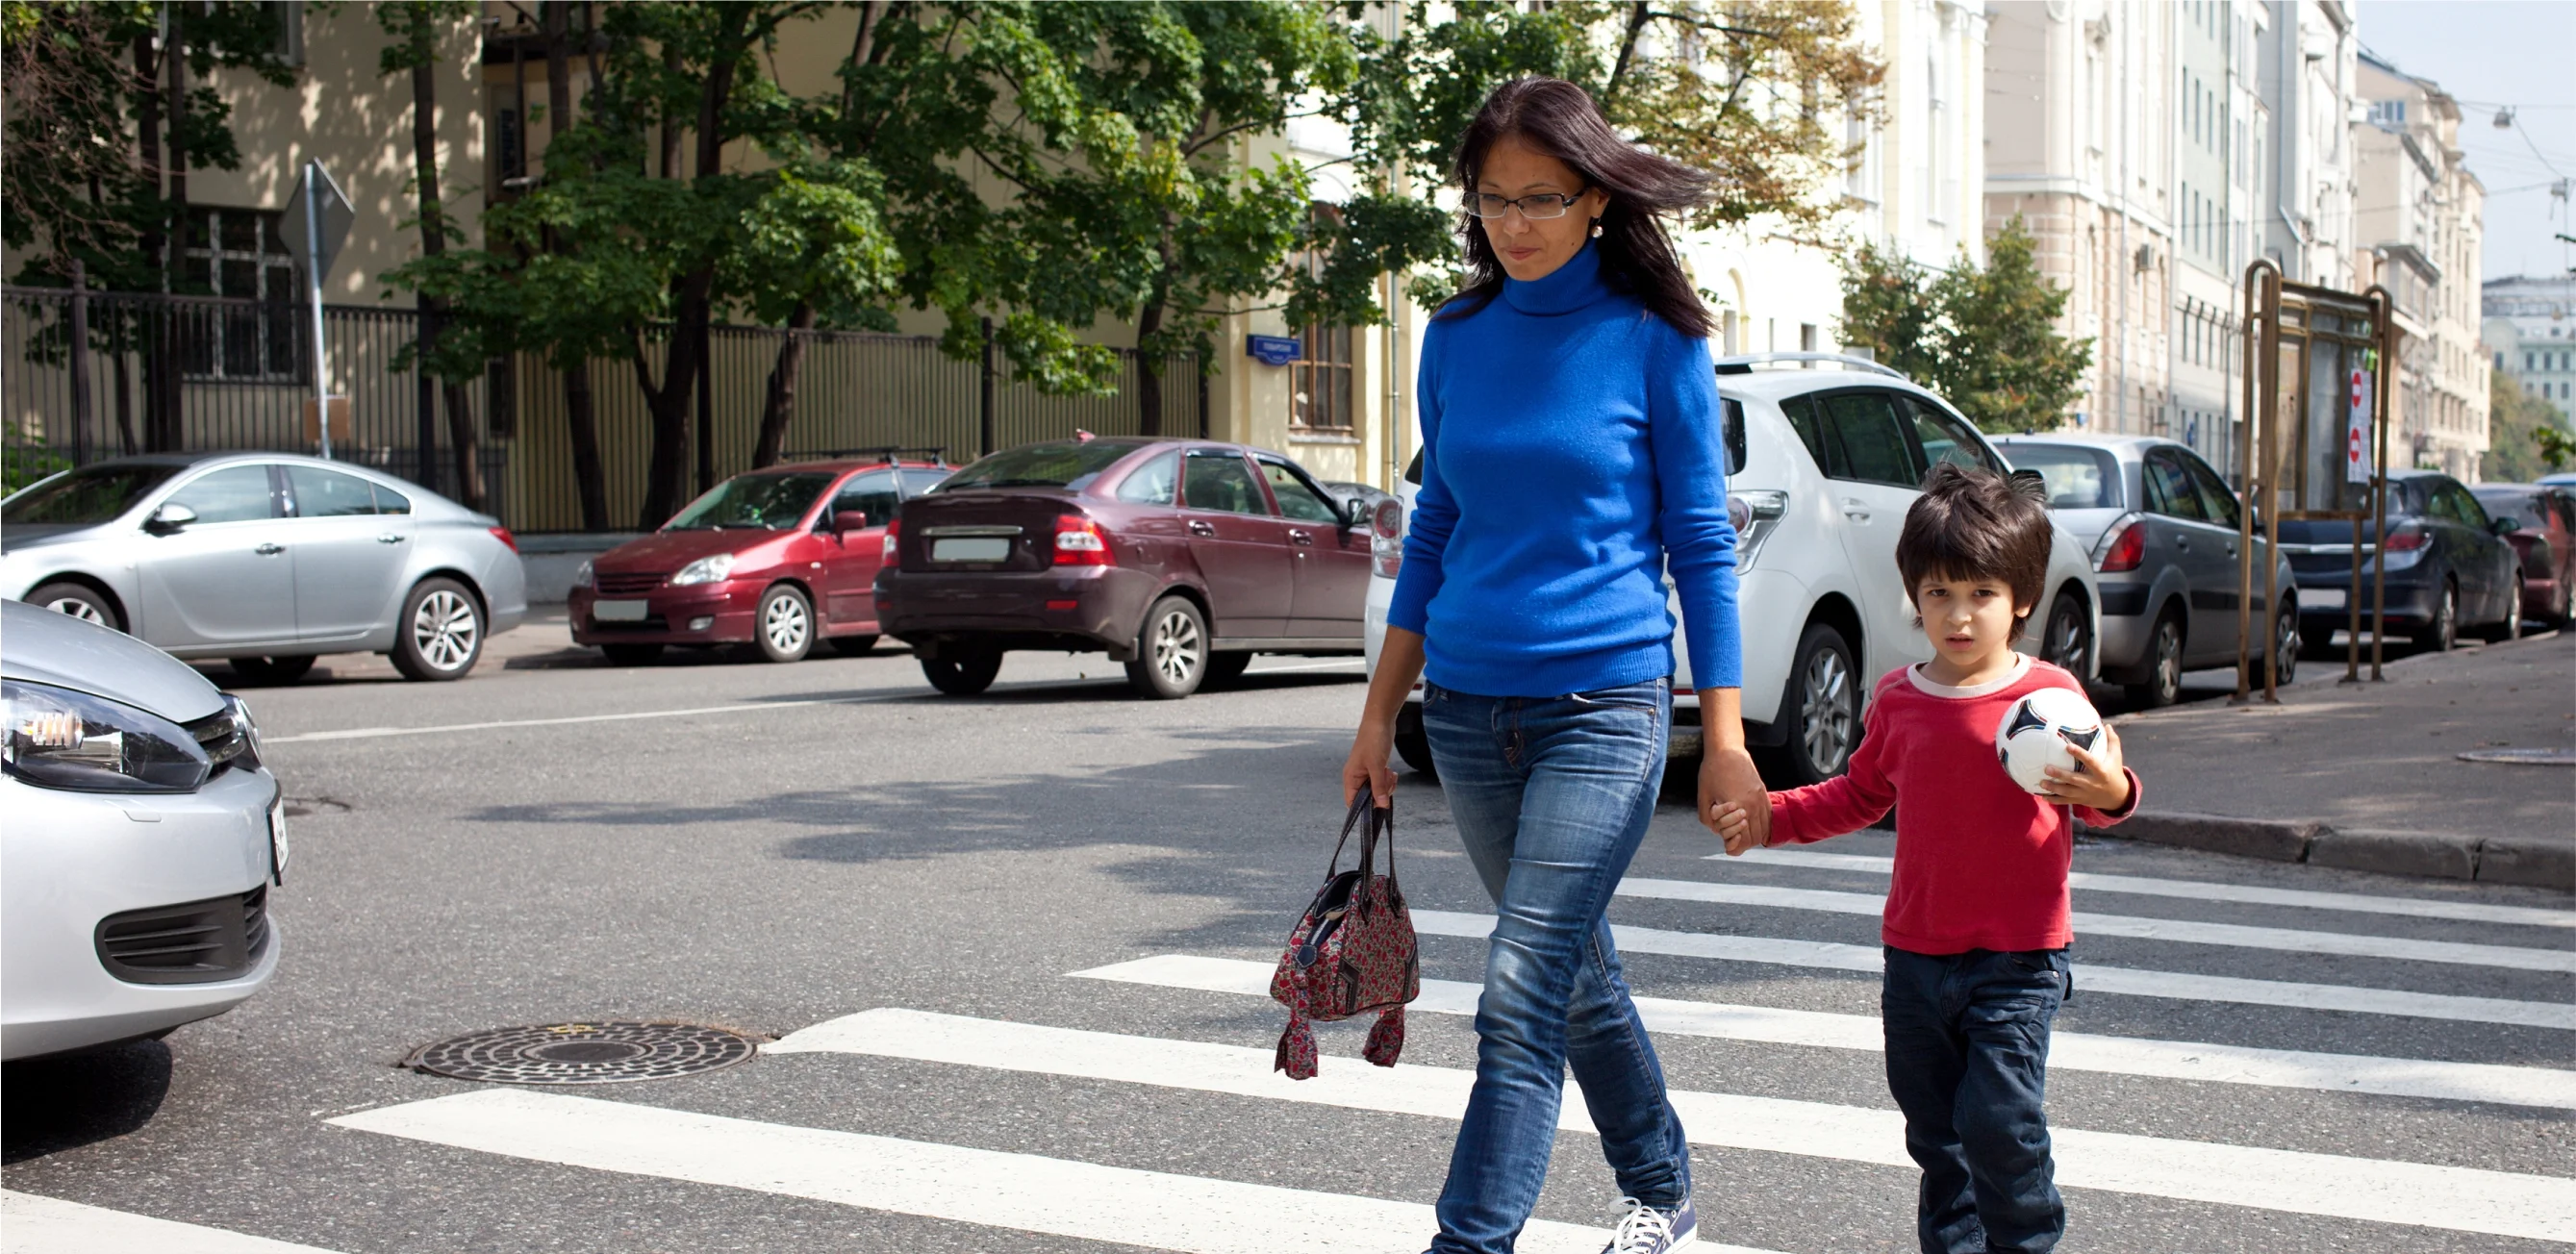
58, 738
707, 569
1756, 512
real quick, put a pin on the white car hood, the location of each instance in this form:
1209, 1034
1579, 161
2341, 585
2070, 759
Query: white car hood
41, 646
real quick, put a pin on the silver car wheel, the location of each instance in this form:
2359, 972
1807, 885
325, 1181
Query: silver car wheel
1825, 706
444, 630
79, 609
786, 624
1177, 648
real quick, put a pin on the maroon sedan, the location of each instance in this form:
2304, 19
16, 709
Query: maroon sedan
2544, 538
775, 558
1180, 558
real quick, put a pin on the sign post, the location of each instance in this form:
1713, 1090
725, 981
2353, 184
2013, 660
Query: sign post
315, 227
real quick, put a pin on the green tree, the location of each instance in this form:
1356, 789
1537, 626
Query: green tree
1747, 89
2527, 437
1985, 337
415, 27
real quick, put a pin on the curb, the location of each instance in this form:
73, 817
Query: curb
2491, 859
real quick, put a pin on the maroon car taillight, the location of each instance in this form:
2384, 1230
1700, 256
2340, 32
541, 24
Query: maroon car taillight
893, 541
1079, 542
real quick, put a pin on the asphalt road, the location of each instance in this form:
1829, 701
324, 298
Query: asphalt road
548, 841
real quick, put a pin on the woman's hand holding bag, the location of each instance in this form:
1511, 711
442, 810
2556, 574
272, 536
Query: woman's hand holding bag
1351, 953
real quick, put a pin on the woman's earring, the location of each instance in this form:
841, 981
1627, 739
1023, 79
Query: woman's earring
1596, 228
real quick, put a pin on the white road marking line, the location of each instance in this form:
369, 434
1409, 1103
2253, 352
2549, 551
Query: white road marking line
30, 1224
1307, 666
2204, 890
2068, 1051
2129, 981
744, 707
2459, 1198
1023, 1192
2282, 939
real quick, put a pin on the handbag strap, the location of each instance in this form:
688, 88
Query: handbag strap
1360, 806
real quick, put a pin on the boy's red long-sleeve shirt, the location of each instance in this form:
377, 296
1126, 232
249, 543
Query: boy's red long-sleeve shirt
1980, 864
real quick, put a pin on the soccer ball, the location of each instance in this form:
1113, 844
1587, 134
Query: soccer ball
2035, 731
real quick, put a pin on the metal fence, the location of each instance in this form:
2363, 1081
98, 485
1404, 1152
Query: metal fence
152, 372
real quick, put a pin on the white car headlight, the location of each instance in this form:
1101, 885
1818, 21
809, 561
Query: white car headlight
58, 738
707, 569
583, 576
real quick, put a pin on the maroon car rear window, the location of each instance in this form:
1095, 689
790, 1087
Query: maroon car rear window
1068, 464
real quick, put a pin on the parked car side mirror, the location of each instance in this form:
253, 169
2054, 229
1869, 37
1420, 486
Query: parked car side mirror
850, 520
170, 517
2506, 525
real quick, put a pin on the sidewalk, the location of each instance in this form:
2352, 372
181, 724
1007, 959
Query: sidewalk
2368, 776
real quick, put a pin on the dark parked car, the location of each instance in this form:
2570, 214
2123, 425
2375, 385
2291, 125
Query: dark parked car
2449, 567
777, 558
1180, 558
2163, 529
2545, 542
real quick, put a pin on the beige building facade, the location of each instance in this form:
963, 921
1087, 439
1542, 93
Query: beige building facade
2417, 214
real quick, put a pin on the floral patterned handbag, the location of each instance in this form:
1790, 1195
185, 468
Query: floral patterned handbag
1352, 953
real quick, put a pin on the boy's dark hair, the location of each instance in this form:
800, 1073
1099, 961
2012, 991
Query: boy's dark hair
1976, 524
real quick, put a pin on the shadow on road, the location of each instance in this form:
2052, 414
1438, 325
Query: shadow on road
66, 1102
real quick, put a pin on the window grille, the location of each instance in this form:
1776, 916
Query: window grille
238, 253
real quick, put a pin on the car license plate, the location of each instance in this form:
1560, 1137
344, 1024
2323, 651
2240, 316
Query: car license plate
277, 846
974, 550
619, 611
2320, 599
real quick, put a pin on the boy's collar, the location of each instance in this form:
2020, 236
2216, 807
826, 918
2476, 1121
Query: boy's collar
2020, 671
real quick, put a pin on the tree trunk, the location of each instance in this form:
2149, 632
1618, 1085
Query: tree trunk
164, 432
666, 490
152, 328
779, 408
433, 242
147, 131
1149, 382
583, 425
589, 477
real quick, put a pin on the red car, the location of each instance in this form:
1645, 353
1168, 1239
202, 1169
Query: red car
1180, 558
776, 558
2544, 539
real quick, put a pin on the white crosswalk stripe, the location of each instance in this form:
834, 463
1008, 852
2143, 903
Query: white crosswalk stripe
30, 1224
1025, 1192
2461, 1199
2069, 1051
2207, 890
2287, 940
2179, 985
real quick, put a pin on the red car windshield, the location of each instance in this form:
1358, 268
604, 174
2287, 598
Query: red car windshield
754, 502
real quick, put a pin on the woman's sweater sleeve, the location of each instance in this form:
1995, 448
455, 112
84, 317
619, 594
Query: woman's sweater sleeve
1686, 431
1435, 512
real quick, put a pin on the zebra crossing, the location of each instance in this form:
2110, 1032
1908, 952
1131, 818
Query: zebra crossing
1025, 1198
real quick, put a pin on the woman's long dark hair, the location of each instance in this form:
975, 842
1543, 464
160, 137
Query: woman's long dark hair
1637, 255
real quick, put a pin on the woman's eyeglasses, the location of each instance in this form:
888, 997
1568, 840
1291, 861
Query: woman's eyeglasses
1536, 207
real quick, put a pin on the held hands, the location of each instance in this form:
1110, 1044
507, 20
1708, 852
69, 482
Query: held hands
2098, 779
1732, 801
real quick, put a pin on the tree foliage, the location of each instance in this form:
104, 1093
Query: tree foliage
1750, 90
1985, 337
2527, 437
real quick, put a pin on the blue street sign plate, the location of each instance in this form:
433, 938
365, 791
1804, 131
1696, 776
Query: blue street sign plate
1273, 350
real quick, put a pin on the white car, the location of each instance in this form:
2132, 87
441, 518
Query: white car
1826, 460
142, 838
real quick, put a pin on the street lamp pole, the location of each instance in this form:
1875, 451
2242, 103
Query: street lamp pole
313, 289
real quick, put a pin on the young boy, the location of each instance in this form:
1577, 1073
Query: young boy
1976, 923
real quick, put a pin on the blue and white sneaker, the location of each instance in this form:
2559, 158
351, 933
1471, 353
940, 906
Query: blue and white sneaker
1650, 1231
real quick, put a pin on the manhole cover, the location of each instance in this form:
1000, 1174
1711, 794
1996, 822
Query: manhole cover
584, 1053
2523, 757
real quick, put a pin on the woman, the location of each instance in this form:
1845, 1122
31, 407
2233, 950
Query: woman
1572, 456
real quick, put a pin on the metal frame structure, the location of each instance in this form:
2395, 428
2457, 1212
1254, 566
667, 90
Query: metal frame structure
2287, 324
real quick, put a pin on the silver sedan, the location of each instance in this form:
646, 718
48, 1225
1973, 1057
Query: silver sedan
265, 559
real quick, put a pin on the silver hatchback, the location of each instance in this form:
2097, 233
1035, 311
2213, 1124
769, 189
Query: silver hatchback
266, 559
2161, 527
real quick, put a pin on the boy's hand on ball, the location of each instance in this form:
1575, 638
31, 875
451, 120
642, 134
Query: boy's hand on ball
2098, 780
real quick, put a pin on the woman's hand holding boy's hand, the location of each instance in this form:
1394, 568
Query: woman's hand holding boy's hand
1728, 782
2099, 780
1734, 825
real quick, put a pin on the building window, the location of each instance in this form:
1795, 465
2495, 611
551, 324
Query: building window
1319, 382
238, 254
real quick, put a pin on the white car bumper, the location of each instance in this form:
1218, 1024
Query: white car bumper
70, 860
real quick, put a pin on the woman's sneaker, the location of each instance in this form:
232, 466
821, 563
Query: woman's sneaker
1650, 1231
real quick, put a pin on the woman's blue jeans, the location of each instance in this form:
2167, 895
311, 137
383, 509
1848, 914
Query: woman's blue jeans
1552, 796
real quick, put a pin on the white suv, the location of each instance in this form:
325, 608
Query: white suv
1826, 459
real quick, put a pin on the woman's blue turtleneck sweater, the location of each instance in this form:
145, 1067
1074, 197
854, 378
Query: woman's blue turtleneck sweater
1571, 455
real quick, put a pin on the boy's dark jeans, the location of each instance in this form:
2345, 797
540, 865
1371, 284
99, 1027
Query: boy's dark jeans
1967, 1060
